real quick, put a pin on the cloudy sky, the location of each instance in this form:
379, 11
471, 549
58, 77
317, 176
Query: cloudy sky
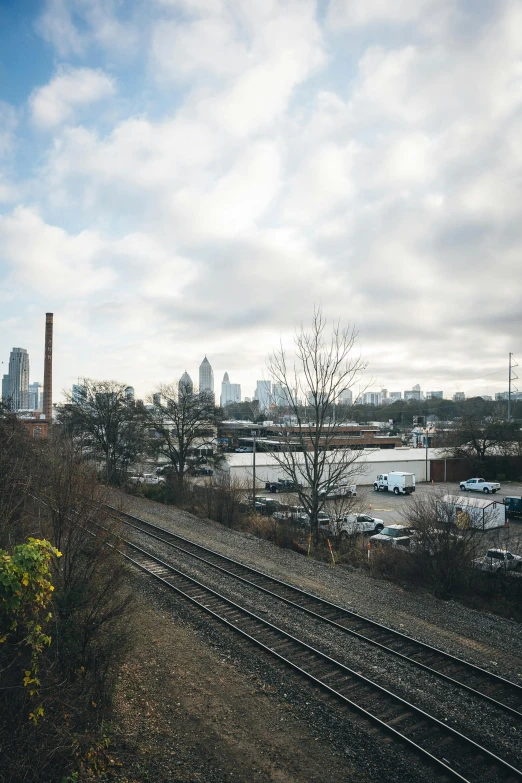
181, 177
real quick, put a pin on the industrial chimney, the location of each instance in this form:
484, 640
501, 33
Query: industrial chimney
48, 369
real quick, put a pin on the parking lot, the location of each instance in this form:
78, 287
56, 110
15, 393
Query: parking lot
392, 509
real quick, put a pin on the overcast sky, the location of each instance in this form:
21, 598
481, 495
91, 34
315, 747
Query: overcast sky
189, 177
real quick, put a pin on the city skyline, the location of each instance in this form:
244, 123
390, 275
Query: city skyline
364, 392
186, 177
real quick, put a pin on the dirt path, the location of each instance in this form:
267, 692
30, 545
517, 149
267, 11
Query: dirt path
184, 713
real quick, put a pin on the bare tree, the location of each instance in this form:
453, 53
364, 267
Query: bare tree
17, 465
323, 366
442, 549
102, 418
184, 422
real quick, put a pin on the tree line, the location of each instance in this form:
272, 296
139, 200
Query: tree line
65, 609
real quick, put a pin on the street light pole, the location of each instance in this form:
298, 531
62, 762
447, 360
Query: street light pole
427, 455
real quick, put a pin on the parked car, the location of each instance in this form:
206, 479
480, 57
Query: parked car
202, 470
282, 485
146, 478
323, 520
290, 513
264, 506
244, 450
496, 560
356, 523
339, 490
479, 485
164, 469
393, 535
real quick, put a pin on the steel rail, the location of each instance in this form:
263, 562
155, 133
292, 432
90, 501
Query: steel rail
508, 772
490, 676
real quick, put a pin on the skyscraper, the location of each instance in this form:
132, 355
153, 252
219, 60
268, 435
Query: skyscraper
263, 393
6, 389
346, 397
185, 384
230, 392
19, 379
79, 393
35, 396
206, 376
280, 395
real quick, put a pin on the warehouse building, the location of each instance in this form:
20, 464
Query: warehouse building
369, 463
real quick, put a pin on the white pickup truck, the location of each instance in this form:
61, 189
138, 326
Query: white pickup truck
498, 560
353, 523
479, 485
146, 478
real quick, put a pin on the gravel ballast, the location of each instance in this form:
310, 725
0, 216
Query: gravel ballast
490, 642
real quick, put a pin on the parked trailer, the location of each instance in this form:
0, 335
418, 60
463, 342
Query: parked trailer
475, 512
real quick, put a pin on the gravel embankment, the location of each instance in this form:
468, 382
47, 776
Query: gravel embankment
489, 641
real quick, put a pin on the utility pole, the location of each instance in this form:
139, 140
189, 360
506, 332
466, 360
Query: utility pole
511, 377
509, 389
254, 433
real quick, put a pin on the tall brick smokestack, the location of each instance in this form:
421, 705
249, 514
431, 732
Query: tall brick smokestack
48, 369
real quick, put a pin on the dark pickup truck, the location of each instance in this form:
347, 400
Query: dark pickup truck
282, 485
513, 507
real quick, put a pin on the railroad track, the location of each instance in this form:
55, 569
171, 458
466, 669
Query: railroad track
452, 755
483, 684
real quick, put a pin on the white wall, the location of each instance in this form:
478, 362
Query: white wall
372, 462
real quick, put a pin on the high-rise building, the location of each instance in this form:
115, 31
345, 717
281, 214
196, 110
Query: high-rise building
372, 398
434, 395
459, 397
206, 376
414, 394
129, 394
19, 379
157, 399
394, 396
263, 394
185, 384
6, 389
346, 397
230, 392
280, 396
35, 396
79, 394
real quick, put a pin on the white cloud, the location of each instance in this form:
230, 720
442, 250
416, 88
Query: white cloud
74, 26
46, 258
275, 172
8, 123
259, 52
359, 13
234, 203
181, 51
70, 89
57, 27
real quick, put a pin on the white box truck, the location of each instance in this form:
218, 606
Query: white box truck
396, 481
